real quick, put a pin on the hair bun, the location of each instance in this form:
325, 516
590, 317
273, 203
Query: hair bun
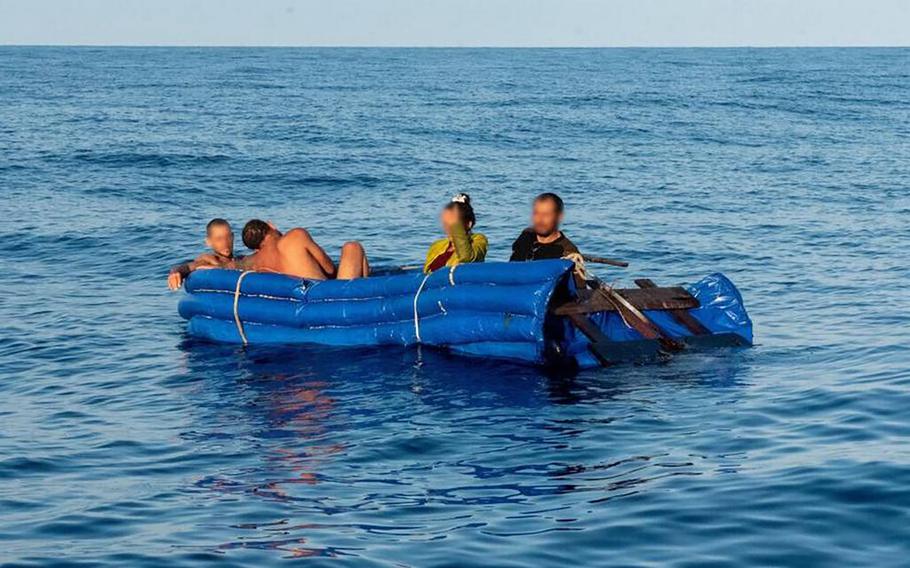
462, 198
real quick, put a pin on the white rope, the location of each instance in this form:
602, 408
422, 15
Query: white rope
611, 297
580, 268
629, 306
236, 305
452, 274
416, 297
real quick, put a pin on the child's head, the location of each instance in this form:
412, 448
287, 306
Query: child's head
458, 210
220, 237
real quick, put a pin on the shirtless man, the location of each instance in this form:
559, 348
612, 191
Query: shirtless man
297, 254
220, 238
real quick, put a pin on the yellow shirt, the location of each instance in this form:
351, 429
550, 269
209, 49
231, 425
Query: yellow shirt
469, 247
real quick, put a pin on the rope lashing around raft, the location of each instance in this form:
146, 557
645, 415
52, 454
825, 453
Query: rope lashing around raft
581, 270
236, 305
417, 297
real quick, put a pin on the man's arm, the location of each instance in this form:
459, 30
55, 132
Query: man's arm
247, 262
180, 272
183, 269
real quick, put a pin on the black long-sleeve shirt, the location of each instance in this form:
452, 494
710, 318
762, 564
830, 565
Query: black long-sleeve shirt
527, 247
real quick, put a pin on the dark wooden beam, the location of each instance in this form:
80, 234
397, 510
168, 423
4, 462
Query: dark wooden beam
590, 302
637, 320
669, 298
642, 325
598, 340
681, 315
714, 341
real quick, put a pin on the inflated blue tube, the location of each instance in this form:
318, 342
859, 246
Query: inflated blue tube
722, 309
282, 286
438, 330
489, 309
515, 299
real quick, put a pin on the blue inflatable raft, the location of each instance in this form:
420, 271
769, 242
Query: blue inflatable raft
528, 312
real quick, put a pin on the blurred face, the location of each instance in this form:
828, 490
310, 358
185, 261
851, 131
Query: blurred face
545, 219
221, 240
447, 218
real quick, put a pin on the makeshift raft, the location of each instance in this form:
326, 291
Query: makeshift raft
525, 311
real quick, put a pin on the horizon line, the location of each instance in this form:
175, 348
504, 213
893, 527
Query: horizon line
453, 46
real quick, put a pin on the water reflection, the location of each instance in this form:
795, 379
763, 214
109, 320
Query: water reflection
328, 441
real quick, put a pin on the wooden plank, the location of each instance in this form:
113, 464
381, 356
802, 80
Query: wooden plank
679, 314
602, 260
610, 352
593, 333
637, 320
715, 340
669, 298
590, 302
640, 324
635, 351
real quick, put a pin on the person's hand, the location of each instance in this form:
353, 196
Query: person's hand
174, 281
449, 217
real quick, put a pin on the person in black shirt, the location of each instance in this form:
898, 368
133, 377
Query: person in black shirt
543, 239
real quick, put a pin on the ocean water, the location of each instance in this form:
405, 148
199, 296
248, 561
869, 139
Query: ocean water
124, 444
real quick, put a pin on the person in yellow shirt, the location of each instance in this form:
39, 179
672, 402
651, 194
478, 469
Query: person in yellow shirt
460, 245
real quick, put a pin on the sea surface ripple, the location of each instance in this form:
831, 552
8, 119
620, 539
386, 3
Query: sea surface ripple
124, 444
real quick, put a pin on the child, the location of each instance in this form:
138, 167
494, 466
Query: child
460, 245
220, 238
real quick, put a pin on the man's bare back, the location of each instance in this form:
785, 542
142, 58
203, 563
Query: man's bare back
297, 254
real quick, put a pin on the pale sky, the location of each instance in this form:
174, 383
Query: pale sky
457, 22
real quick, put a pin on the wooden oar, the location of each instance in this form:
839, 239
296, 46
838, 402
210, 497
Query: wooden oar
588, 258
636, 319
603, 260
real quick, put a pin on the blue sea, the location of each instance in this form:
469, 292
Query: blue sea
123, 443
